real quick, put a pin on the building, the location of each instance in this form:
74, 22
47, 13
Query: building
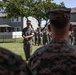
73, 18
12, 28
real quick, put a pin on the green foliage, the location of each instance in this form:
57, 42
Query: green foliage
15, 8
47, 5
35, 8
62, 4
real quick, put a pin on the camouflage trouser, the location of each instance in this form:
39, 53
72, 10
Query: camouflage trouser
35, 41
27, 50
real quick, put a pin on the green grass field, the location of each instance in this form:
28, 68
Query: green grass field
17, 48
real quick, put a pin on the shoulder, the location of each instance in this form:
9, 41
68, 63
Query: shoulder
12, 63
38, 52
24, 29
11, 58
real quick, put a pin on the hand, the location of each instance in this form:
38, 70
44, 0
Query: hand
26, 37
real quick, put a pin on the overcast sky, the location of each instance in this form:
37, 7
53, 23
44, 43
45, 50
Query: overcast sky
68, 3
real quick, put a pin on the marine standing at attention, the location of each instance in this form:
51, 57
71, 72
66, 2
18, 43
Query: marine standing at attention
27, 34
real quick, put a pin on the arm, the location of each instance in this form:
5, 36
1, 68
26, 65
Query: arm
29, 36
23, 35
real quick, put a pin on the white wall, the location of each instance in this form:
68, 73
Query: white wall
34, 22
10, 35
16, 34
24, 22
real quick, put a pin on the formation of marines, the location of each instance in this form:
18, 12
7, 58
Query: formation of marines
42, 37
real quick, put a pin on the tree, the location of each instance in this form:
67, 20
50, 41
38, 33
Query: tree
15, 8
35, 8
39, 9
4, 0
48, 5
62, 4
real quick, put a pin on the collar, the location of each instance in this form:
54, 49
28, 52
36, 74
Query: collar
59, 41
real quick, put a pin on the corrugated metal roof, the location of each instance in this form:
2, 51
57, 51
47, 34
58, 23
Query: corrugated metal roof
4, 25
73, 10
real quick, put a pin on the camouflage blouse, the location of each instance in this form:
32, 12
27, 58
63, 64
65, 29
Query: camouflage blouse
56, 58
12, 64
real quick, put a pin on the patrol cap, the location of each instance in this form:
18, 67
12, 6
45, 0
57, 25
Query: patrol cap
59, 17
60, 14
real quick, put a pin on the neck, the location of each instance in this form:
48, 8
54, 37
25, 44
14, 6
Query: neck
61, 37
62, 34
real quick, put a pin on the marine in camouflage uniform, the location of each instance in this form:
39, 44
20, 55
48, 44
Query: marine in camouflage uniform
27, 34
39, 34
35, 37
58, 57
45, 37
12, 64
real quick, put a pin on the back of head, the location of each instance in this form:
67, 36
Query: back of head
59, 17
12, 64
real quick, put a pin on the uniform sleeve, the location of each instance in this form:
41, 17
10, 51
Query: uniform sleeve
33, 65
35, 61
32, 61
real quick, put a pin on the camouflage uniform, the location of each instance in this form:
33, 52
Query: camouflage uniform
45, 37
12, 64
27, 42
56, 58
39, 34
35, 34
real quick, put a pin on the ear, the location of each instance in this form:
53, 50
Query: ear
49, 28
70, 27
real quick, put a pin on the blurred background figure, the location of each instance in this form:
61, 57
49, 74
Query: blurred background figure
45, 36
35, 37
39, 35
12, 64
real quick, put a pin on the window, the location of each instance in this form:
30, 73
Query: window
17, 19
17, 29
